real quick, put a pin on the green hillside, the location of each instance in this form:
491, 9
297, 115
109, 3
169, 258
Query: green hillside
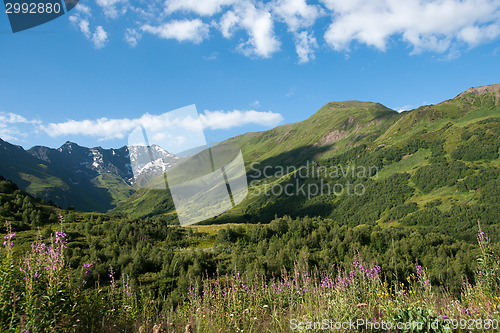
425, 165
56, 180
336, 126
414, 233
103, 273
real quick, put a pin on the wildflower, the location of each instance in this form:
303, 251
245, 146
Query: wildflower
61, 238
8, 237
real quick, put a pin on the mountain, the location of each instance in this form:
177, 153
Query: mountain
413, 195
89, 179
76, 164
335, 127
148, 163
462, 129
475, 103
432, 160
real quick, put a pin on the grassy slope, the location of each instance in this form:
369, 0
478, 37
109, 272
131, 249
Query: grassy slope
116, 186
334, 127
339, 126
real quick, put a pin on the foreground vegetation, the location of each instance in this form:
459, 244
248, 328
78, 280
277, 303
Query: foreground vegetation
39, 293
99, 273
407, 250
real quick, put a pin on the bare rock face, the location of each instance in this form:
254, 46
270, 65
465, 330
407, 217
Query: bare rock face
332, 137
492, 88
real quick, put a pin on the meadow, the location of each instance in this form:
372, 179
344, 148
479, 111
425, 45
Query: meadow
39, 293
409, 255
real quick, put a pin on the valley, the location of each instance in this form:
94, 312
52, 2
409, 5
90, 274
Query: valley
414, 243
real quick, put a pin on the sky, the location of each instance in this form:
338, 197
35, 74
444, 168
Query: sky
94, 74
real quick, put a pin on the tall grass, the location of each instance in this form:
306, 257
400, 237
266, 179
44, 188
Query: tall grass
38, 293
236, 303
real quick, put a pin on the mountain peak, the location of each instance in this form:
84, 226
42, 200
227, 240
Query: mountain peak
351, 103
353, 110
69, 144
492, 88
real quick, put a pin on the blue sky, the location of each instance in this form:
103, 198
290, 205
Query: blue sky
93, 73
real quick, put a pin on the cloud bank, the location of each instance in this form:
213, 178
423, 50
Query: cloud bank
425, 25
106, 129
9, 126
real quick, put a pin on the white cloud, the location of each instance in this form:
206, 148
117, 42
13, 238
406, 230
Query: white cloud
99, 37
113, 8
211, 57
102, 128
426, 25
225, 120
82, 24
296, 14
85, 10
11, 133
105, 129
474, 35
257, 21
305, 45
227, 23
8, 126
81, 21
13, 118
440, 26
404, 108
132, 37
203, 8
184, 30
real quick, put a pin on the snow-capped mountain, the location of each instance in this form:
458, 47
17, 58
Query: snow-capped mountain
81, 163
148, 162
92, 179
128, 162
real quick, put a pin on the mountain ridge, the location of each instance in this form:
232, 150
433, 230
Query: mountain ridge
479, 90
89, 179
103, 177
371, 134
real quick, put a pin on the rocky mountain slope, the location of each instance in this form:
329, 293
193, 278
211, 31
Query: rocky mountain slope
89, 179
